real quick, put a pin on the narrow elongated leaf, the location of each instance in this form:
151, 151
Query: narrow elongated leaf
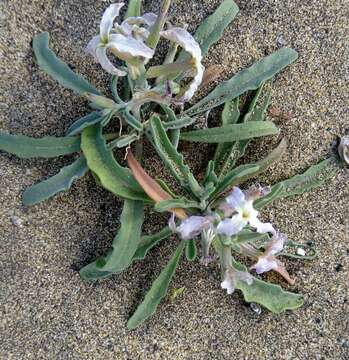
101, 161
234, 178
26, 147
149, 241
269, 295
55, 184
210, 176
274, 194
83, 123
134, 8
211, 29
124, 247
247, 79
167, 205
157, 291
190, 250
56, 68
250, 236
172, 158
179, 123
229, 133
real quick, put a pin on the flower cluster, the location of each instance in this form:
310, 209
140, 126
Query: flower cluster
128, 42
233, 215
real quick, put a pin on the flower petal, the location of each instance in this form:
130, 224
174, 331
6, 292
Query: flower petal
260, 226
191, 227
236, 199
128, 47
147, 19
231, 276
92, 46
108, 17
276, 244
189, 44
231, 226
264, 264
101, 55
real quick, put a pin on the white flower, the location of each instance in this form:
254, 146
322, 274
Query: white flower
193, 226
231, 276
244, 214
122, 42
268, 261
188, 43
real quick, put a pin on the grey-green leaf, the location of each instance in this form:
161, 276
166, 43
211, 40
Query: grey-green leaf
84, 122
247, 79
26, 147
172, 158
157, 291
134, 8
124, 247
230, 133
149, 241
111, 174
211, 29
56, 68
167, 205
55, 184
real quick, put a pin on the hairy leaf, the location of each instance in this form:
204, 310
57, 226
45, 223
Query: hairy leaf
157, 291
274, 194
124, 247
247, 79
56, 68
172, 158
101, 161
55, 184
149, 241
229, 133
134, 8
179, 123
26, 147
167, 205
83, 123
190, 250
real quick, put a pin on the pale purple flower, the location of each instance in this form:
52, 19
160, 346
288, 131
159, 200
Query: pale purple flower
231, 276
189, 44
193, 226
268, 261
243, 214
120, 41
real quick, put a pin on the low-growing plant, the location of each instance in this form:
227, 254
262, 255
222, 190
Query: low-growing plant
150, 102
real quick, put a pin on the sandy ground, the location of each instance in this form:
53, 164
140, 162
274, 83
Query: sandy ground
48, 312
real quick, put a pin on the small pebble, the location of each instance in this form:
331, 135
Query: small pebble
256, 308
300, 252
16, 221
281, 40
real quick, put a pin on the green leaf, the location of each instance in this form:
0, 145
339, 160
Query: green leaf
157, 291
314, 177
229, 133
59, 70
46, 147
250, 236
274, 194
167, 205
234, 178
190, 250
84, 122
211, 29
111, 174
131, 120
172, 158
179, 123
210, 176
55, 184
124, 247
269, 295
247, 79
134, 8
230, 115
149, 241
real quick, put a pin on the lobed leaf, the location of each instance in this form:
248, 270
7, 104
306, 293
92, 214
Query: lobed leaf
157, 291
229, 133
58, 69
124, 246
110, 173
55, 184
247, 79
26, 147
